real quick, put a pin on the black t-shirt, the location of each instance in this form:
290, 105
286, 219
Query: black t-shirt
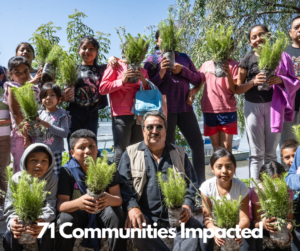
87, 86
295, 55
68, 186
250, 63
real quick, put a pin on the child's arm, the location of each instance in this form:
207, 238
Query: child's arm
113, 198
60, 131
207, 219
109, 82
244, 213
5, 121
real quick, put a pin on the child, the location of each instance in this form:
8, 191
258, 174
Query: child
275, 170
26, 50
19, 69
288, 149
292, 180
38, 161
223, 166
55, 120
75, 206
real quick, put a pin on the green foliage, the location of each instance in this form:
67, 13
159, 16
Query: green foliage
274, 198
104, 114
76, 30
181, 141
99, 173
54, 55
69, 70
296, 131
134, 48
27, 195
65, 158
42, 48
225, 213
270, 52
219, 42
173, 188
47, 31
170, 35
246, 182
27, 101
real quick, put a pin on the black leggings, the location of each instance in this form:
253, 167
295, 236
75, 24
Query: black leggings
188, 125
125, 132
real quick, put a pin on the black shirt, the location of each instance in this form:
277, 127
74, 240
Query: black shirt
67, 184
151, 201
253, 95
295, 55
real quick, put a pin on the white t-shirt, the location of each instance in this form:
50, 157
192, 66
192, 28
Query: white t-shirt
238, 188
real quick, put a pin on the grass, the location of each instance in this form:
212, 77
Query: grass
173, 188
219, 42
27, 196
69, 70
170, 35
134, 48
99, 173
274, 198
271, 50
26, 98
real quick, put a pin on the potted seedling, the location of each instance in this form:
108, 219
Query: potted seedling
134, 52
27, 195
51, 63
69, 73
275, 202
98, 176
270, 55
219, 43
29, 108
170, 39
173, 189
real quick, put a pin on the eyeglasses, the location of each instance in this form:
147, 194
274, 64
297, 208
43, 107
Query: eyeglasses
159, 127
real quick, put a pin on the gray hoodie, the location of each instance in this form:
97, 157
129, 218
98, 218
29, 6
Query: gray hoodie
49, 210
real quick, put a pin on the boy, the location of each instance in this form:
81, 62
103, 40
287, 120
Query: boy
288, 150
39, 162
76, 207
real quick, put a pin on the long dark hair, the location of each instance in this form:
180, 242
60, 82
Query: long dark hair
272, 168
94, 42
28, 44
265, 28
220, 153
156, 38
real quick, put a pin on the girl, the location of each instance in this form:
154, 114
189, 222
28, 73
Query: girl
258, 104
126, 131
275, 170
55, 120
218, 104
88, 100
175, 84
223, 166
19, 71
26, 50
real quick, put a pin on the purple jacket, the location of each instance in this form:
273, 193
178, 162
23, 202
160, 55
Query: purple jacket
283, 100
174, 86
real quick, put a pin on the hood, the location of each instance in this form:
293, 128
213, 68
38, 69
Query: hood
49, 172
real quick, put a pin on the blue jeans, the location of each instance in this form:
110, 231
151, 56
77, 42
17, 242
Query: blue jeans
180, 244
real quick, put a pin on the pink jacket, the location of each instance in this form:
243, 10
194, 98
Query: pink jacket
121, 96
283, 100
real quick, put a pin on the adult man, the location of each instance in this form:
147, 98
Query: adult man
294, 51
144, 202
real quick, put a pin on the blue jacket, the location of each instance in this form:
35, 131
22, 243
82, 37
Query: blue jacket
293, 179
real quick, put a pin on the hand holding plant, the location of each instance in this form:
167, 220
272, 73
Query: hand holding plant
43, 123
37, 77
34, 229
130, 73
68, 95
113, 62
185, 215
17, 229
104, 201
164, 65
275, 80
86, 203
259, 79
140, 75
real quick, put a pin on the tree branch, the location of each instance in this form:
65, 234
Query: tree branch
296, 9
264, 12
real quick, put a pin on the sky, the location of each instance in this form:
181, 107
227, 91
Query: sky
19, 19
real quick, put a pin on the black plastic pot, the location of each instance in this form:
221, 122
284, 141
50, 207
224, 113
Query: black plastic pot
96, 197
135, 67
170, 55
219, 72
281, 238
265, 86
174, 216
47, 73
34, 131
26, 238
71, 90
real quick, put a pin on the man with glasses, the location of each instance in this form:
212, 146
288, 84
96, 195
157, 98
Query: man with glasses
144, 201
